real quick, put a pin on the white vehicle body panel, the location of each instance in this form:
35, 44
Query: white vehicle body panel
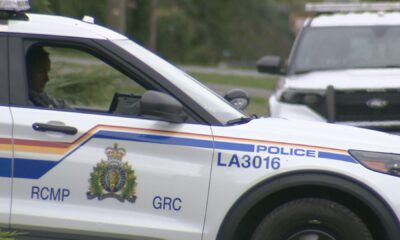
165, 160
356, 19
236, 181
60, 26
5, 166
279, 133
346, 79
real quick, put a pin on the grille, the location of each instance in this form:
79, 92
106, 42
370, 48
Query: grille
352, 106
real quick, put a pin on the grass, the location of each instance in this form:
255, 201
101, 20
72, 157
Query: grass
5, 235
258, 106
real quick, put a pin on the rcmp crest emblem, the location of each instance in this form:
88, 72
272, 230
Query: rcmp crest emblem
113, 178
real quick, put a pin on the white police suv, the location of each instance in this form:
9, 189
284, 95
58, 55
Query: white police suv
101, 139
344, 67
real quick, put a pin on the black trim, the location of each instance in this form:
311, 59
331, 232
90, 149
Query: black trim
4, 81
331, 180
17, 73
44, 127
13, 15
294, 50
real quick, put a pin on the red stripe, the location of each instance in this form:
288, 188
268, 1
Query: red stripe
5, 141
41, 143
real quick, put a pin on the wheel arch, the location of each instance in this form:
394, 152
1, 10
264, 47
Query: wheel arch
252, 206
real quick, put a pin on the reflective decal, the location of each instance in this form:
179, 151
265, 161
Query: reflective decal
113, 178
50, 193
167, 203
248, 161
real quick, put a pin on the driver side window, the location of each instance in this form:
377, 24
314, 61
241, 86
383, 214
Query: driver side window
69, 78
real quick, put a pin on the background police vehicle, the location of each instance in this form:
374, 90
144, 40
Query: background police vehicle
153, 154
343, 68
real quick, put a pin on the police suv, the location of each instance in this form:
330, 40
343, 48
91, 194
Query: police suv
344, 67
102, 139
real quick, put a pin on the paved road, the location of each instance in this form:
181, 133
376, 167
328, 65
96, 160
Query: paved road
222, 71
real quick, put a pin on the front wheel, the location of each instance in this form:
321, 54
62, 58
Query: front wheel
312, 219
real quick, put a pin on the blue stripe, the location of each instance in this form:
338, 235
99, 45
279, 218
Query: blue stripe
335, 156
174, 141
32, 169
234, 146
154, 139
5, 167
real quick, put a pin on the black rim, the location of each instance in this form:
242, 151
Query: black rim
311, 234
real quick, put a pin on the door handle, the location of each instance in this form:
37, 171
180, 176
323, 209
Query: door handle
44, 127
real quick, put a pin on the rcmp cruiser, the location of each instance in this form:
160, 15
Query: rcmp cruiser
144, 151
344, 67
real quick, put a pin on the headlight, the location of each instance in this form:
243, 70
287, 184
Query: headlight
388, 163
311, 99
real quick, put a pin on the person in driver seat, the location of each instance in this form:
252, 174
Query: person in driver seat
38, 65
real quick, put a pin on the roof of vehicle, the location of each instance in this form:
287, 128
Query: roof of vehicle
58, 26
356, 19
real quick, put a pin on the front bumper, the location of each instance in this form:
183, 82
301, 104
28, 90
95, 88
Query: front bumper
301, 112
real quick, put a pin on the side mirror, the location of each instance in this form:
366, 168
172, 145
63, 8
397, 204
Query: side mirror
238, 98
269, 64
161, 106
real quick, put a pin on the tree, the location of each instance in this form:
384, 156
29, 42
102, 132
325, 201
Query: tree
116, 16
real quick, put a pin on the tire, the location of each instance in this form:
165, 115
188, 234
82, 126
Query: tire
312, 219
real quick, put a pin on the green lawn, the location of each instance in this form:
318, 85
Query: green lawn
7, 235
258, 106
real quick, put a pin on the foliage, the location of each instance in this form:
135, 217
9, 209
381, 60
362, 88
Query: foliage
205, 32
199, 31
6, 235
40, 6
209, 32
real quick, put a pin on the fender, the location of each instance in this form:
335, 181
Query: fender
284, 181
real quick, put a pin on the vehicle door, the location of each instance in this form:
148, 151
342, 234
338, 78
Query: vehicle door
89, 163
5, 137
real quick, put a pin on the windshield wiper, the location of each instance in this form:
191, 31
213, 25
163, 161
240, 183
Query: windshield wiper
239, 121
391, 66
304, 71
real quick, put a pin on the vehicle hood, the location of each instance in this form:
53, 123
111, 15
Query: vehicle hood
314, 134
346, 79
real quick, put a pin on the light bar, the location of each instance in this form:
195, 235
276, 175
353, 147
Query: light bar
14, 5
352, 7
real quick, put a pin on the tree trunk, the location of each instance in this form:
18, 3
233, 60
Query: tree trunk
153, 26
116, 15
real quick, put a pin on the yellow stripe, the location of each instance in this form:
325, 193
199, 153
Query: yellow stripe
5, 147
40, 149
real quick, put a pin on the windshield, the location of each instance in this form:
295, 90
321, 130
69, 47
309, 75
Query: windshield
210, 101
327, 48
